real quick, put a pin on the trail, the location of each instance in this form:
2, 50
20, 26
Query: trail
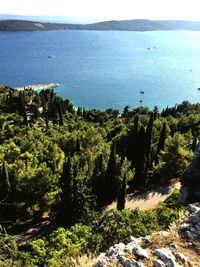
148, 199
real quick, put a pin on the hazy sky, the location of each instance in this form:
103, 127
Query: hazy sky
105, 9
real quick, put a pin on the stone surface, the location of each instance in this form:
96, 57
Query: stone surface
181, 257
166, 256
115, 250
194, 207
159, 263
126, 262
133, 253
135, 248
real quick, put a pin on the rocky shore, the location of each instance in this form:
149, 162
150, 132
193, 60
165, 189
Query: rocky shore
38, 86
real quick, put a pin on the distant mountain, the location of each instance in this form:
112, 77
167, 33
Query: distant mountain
51, 19
114, 25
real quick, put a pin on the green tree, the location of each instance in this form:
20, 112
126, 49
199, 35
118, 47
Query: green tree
111, 184
174, 159
161, 141
122, 195
64, 214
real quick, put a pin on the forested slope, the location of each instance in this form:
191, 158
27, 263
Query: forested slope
112, 25
70, 162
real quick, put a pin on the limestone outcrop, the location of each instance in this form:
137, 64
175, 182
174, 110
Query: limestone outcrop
161, 249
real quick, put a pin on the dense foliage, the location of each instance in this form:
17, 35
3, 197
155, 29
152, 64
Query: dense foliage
67, 163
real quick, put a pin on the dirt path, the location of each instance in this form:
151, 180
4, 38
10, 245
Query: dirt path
147, 200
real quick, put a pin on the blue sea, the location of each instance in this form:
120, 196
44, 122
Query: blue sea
103, 69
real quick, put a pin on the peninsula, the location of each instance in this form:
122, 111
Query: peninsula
113, 25
37, 86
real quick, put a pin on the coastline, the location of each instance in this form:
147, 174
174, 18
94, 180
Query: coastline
37, 86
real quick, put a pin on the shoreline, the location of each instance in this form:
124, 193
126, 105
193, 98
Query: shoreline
37, 86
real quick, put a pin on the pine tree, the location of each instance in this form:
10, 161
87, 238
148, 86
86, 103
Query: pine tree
122, 195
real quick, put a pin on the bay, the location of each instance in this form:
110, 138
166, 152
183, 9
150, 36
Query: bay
99, 69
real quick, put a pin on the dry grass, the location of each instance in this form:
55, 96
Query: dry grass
86, 260
177, 244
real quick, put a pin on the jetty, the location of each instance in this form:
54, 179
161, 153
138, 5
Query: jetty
37, 86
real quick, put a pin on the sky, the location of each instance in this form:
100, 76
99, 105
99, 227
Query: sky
105, 9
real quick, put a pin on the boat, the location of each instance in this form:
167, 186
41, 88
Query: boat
140, 100
141, 92
198, 88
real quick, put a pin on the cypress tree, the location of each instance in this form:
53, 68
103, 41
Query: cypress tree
22, 109
65, 206
60, 114
194, 143
11, 100
110, 176
136, 122
7, 204
122, 195
5, 181
132, 142
139, 177
98, 181
46, 119
149, 134
79, 111
148, 137
77, 146
161, 142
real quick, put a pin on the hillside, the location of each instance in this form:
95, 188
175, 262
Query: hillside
178, 246
60, 166
123, 25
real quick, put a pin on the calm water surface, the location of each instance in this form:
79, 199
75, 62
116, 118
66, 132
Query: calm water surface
100, 69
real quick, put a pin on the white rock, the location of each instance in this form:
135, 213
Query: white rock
159, 263
102, 260
193, 230
194, 218
181, 257
115, 250
189, 235
135, 240
135, 248
126, 262
197, 226
185, 226
193, 208
166, 255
